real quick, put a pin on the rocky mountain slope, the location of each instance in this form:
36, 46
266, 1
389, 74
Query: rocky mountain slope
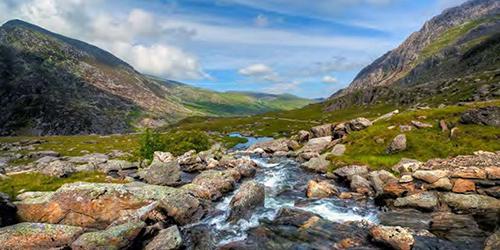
456, 52
51, 84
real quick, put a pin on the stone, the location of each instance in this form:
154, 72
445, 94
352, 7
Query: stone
405, 128
395, 237
306, 156
211, 184
116, 166
443, 125
454, 132
163, 156
423, 201
493, 173
469, 173
421, 125
410, 218
95, 158
462, 229
341, 130
386, 116
379, 179
406, 178
38, 236
489, 116
430, 176
398, 144
405, 166
47, 160
167, 239
162, 173
464, 186
320, 189
115, 237
338, 150
493, 242
316, 145
493, 191
441, 184
348, 171
58, 168
303, 136
97, 205
359, 124
250, 196
40, 154
469, 202
7, 211
322, 130
273, 146
319, 164
396, 189
360, 185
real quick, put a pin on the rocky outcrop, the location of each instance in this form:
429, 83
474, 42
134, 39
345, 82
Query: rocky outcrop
162, 173
211, 184
115, 237
250, 196
359, 124
167, 239
322, 130
489, 116
38, 236
317, 164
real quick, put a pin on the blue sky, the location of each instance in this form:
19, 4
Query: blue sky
303, 47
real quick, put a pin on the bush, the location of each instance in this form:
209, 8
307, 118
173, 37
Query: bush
176, 143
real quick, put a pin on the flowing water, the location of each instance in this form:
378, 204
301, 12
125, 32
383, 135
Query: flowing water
285, 184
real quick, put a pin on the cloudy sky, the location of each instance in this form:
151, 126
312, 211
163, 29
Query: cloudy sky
309, 48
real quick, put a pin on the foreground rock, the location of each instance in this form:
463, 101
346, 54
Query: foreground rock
250, 196
38, 236
96, 205
317, 164
320, 189
212, 184
162, 173
116, 237
167, 239
394, 237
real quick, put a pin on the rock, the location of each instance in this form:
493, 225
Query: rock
198, 237
489, 116
454, 132
163, 156
303, 136
405, 128
405, 166
398, 144
469, 173
38, 236
58, 169
274, 145
493, 191
116, 237
394, 237
493, 242
379, 179
430, 176
306, 156
359, 124
386, 116
116, 166
421, 125
406, 178
468, 202
493, 173
462, 229
7, 211
162, 173
423, 201
319, 164
341, 130
95, 158
396, 189
250, 196
360, 185
441, 184
211, 184
410, 218
40, 154
443, 126
320, 189
316, 145
322, 130
191, 162
349, 171
97, 205
338, 150
464, 186
46, 160
167, 239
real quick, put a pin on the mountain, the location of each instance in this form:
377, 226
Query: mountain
52, 84
454, 57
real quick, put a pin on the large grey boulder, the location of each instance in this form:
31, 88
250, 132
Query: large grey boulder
424, 201
162, 173
322, 130
470, 202
359, 124
318, 164
250, 196
316, 145
398, 144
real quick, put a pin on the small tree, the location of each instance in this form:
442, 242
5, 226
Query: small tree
149, 143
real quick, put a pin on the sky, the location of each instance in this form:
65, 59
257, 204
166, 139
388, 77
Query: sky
309, 48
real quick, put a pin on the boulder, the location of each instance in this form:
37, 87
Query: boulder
303, 136
441, 184
421, 125
464, 186
406, 166
360, 185
163, 156
338, 150
359, 124
396, 189
191, 162
320, 189
117, 166
379, 179
405, 178
167, 239
423, 201
306, 156
462, 229
316, 145
395, 237
115, 237
493, 242
493, 172
40, 154
162, 173
386, 116
7, 211
349, 171
469, 173
38, 236
211, 184
430, 176
489, 116
468, 202
95, 158
318, 164
250, 196
410, 218
58, 168
97, 205
341, 130
322, 130
398, 144
270, 147
48, 159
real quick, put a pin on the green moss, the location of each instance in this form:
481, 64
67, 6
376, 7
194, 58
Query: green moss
39, 182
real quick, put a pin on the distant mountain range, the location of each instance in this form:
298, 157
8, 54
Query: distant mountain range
454, 57
51, 84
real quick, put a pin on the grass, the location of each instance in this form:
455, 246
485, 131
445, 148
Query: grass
25, 182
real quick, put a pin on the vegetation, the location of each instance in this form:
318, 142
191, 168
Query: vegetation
176, 143
19, 183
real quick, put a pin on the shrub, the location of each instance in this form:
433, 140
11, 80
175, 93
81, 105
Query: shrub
176, 143
149, 143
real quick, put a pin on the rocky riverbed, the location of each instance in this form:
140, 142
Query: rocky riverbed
272, 194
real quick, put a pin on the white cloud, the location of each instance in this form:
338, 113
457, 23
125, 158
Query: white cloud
256, 70
283, 87
261, 21
329, 79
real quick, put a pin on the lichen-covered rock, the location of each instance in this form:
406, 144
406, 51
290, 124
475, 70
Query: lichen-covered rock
162, 173
58, 169
441, 184
38, 236
349, 171
398, 144
320, 189
163, 156
322, 130
282, 144
303, 136
318, 164
211, 184
250, 196
316, 145
97, 205
361, 185
493, 242
424, 201
395, 237
167, 239
430, 176
379, 179
468, 202
115, 237
407, 166
359, 124
469, 172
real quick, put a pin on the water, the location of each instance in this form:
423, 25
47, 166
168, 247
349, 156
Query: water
250, 141
285, 184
